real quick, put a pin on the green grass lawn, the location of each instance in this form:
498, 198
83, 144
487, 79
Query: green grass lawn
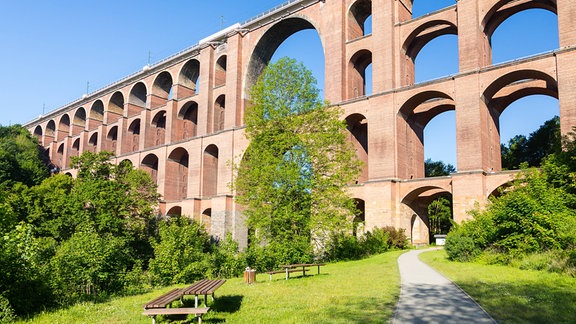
357, 291
509, 294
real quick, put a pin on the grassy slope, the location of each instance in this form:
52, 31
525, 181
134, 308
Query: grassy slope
358, 291
512, 295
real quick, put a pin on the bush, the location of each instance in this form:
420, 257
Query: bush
460, 247
225, 260
7, 314
180, 252
343, 247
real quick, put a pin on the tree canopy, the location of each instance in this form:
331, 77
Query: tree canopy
293, 176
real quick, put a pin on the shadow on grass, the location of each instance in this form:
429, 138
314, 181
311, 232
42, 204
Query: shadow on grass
225, 304
357, 310
525, 302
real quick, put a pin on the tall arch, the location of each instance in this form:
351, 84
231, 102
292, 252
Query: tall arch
269, 43
157, 135
174, 211
161, 89
131, 142
150, 165
413, 117
93, 143
176, 185
96, 115
358, 14
357, 126
112, 139
188, 79
115, 107
414, 211
210, 171
359, 221
39, 134
188, 115
206, 219
138, 99
50, 132
63, 127
219, 113
505, 90
357, 74
220, 71
75, 151
79, 121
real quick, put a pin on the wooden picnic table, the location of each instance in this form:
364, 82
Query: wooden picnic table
289, 268
203, 287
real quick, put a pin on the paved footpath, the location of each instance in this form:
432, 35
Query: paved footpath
428, 297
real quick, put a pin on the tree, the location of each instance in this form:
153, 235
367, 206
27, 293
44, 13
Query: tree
293, 175
21, 158
532, 149
440, 216
437, 168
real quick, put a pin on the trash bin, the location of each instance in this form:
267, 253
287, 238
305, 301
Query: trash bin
249, 275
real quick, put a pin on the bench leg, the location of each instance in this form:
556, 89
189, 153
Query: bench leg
196, 301
153, 319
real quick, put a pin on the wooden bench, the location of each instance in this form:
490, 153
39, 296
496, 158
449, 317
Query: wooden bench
203, 287
301, 267
198, 312
287, 272
165, 300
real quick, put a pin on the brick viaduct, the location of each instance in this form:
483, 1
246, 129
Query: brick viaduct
182, 118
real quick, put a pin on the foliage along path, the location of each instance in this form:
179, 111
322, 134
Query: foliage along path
428, 297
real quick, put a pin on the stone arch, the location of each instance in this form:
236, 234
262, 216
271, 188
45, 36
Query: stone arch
415, 211
138, 98
418, 38
50, 131
112, 139
79, 121
357, 80
358, 13
161, 89
157, 134
189, 116
133, 139
63, 127
188, 79
97, 111
220, 71
206, 219
357, 126
504, 9
93, 142
174, 211
150, 165
60, 160
210, 171
75, 148
176, 186
38, 133
115, 107
269, 43
506, 89
412, 118
218, 113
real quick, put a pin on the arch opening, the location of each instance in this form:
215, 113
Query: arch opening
150, 165
360, 19
437, 59
188, 79
210, 171
423, 7
115, 107
218, 114
220, 71
189, 120
161, 89
359, 74
176, 186
357, 126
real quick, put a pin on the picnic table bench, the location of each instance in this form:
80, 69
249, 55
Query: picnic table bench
203, 287
290, 268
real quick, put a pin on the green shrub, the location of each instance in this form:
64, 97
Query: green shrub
460, 247
7, 314
225, 260
180, 252
344, 246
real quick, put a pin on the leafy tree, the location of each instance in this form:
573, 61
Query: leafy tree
21, 158
180, 252
440, 216
292, 176
437, 168
532, 149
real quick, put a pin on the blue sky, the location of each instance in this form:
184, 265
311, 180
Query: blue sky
52, 52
